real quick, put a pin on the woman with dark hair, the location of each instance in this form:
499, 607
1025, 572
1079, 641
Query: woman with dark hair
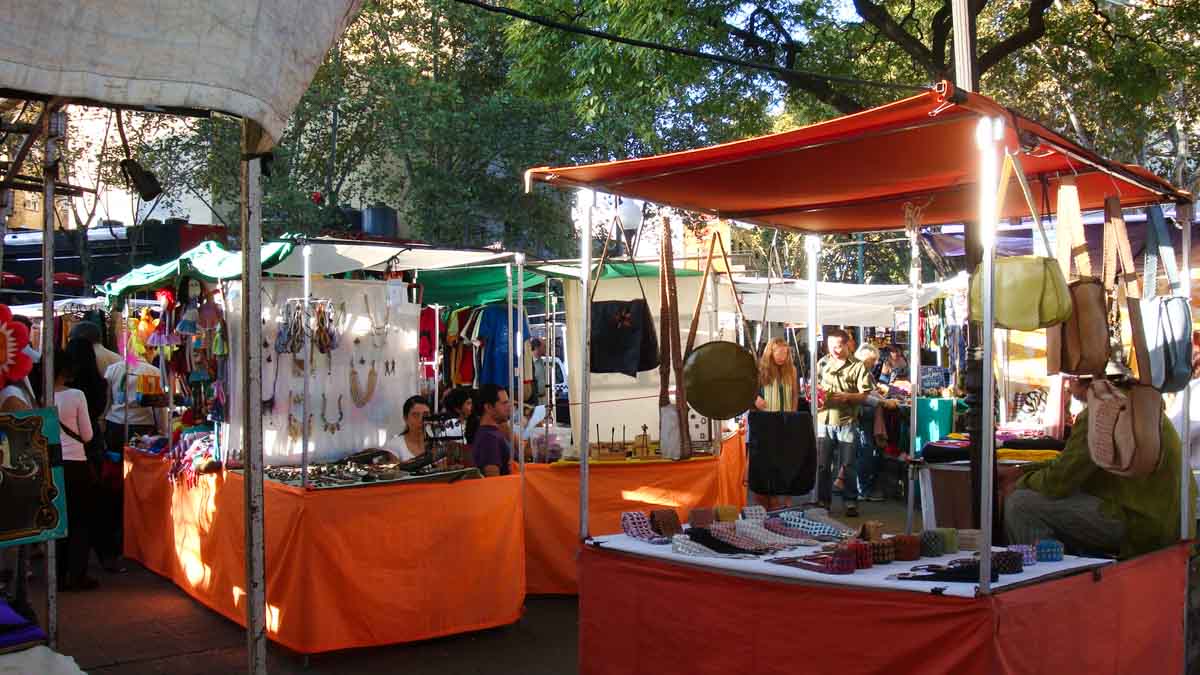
416, 409
75, 422
86, 377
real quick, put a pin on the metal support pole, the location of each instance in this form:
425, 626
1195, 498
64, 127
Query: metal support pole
914, 359
519, 345
437, 352
55, 123
508, 367
306, 305
252, 436
1183, 214
964, 45
812, 246
585, 361
988, 134
549, 366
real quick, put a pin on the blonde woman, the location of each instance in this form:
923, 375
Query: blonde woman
779, 389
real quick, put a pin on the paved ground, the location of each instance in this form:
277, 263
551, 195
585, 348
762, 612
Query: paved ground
140, 624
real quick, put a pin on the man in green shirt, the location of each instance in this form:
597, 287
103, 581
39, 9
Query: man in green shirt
846, 383
1091, 510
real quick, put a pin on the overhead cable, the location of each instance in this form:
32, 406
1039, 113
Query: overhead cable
683, 51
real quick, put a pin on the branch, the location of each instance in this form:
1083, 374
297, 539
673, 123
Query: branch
1032, 32
942, 24
879, 17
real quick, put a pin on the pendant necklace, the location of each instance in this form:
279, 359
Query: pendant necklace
378, 329
362, 398
332, 427
294, 431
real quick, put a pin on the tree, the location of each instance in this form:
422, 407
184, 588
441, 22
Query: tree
425, 121
1116, 75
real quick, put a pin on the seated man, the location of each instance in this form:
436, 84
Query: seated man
490, 448
1089, 509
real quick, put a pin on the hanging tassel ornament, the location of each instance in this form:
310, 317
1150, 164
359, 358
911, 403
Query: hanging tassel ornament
220, 346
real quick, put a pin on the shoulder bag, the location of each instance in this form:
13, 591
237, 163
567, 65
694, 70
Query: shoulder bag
1164, 351
1124, 428
1080, 345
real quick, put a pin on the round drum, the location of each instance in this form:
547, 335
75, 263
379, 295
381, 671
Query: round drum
721, 380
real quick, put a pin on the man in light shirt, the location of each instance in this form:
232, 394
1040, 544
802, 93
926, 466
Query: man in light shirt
122, 401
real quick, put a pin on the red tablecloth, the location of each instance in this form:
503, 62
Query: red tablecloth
638, 615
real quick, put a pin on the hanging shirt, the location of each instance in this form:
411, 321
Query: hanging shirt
427, 349
493, 331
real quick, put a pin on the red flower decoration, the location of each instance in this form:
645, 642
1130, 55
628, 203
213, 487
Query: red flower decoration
15, 364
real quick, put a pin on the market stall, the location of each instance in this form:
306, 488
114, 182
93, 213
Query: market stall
908, 164
344, 353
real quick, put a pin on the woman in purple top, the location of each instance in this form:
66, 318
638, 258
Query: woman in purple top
491, 449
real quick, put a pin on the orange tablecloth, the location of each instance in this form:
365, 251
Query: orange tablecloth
353, 567
552, 504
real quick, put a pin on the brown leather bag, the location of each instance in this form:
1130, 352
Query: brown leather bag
1124, 428
1080, 345
1127, 326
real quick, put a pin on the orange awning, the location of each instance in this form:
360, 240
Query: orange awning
855, 173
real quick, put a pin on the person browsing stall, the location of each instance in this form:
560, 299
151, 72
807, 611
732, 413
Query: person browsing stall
1091, 510
76, 424
491, 448
847, 384
415, 409
778, 386
122, 401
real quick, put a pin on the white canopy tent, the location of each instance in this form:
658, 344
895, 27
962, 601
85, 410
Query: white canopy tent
329, 256
787, 301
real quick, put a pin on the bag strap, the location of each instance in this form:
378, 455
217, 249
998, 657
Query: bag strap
66, 430
1072, 244
1158, 245
1012, 165
664, 333
1118, 254
708, 265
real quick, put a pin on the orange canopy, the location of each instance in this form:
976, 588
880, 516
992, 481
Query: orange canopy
855, 173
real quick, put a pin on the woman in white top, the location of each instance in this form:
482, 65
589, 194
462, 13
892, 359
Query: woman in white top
16, 396
75, 424
416, 409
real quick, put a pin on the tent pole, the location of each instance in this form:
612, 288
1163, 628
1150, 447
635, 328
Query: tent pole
988, 133
252, 437
437, 349
520, 347
914, 361
588, 199
550, 367
1183, 214
306, 254
512, 341
55, 123
812, 246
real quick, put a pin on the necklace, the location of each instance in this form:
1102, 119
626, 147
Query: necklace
294, 431
268, 404
378, 329
332, 427
362, 398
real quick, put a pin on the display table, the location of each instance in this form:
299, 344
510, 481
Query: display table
552, 503
673, 617
354, 567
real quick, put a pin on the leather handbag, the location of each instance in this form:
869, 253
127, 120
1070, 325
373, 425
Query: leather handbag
1124, 428
665, 522
1080, 345
1022, 279
1019, 280
1164, 351
908, 547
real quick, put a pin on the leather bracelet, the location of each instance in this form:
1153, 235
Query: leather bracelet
1050, 550
1028, 553
908, 547
726, 513
969, 540
863, 556
882, 552
754, 512
1008, 562
839, 562
665, 522
949, 539
872, 530
701, 517
932, 544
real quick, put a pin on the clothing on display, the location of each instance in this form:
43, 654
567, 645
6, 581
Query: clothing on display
637, 525
623, 337
783, 458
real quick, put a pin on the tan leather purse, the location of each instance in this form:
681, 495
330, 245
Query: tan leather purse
1080, 345
1124, 428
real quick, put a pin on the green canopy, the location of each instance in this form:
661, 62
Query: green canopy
614, 270
209, 261
472, 286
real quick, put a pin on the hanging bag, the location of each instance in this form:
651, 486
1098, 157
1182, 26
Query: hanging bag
1080, 345
1127, 326
1022, 279
1165, 350
1124, 428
